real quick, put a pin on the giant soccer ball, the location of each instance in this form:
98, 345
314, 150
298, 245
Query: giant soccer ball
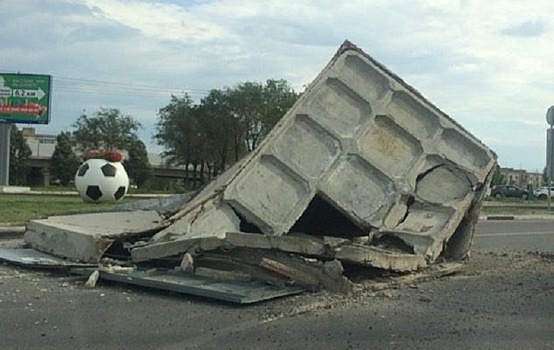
99, 180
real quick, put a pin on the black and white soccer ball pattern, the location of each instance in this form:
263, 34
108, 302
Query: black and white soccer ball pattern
98, 180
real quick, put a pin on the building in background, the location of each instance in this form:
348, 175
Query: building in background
521, 178
43, 146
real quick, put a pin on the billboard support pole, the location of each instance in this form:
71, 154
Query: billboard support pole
5, 154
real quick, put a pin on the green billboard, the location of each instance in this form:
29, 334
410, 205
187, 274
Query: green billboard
25, 98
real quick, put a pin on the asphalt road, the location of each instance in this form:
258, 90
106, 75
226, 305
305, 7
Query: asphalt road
521, 235
502, 299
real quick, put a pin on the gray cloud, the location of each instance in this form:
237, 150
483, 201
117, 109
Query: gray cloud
527, 29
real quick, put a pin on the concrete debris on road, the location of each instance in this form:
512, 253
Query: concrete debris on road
361, 173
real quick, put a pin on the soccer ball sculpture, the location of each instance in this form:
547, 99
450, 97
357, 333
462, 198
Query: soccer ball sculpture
99, 180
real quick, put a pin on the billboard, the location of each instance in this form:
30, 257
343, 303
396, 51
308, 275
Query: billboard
25, 98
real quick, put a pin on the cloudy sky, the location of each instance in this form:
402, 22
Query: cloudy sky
487, 63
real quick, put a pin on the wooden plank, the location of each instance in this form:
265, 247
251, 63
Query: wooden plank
371, 256
290, 272
222, 274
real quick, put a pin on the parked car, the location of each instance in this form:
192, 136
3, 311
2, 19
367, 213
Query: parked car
542, 192
509, 191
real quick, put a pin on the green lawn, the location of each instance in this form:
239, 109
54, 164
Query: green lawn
18, 208
515, 211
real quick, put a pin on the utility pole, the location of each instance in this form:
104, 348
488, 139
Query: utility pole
5, 154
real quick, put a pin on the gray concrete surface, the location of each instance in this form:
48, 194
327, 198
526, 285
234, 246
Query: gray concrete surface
85, 237
368, 147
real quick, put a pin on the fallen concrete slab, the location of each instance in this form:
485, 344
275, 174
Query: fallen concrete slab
86, 237
362, 171
361, 154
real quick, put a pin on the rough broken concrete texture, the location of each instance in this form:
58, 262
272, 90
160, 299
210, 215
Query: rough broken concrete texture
364, 143
163, 205
85, 237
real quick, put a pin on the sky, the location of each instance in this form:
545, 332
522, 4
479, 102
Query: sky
489, 64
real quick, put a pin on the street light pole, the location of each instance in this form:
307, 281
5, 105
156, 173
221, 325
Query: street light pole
550, 165
550, 152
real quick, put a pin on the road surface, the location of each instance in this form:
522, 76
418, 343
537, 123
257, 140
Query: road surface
521, 235
502, 299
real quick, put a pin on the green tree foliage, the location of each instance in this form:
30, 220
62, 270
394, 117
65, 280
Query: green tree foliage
20, 152
258, 107
137, 165
64, 161
177, 131
226, 124
108, 129
497, 177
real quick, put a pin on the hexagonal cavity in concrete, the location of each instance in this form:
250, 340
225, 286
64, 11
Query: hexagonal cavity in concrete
462, 150
420, 121
338, 108
269, 195
364, 78
307, 147
389, 147
360, 189
442, 182
424, 228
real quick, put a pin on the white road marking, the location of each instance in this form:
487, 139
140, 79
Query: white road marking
507, 234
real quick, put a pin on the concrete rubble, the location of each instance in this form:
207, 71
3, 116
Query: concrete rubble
362, 172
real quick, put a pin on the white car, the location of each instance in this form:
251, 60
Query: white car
542, 192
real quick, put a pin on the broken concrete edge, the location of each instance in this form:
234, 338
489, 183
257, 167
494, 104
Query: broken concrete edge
305, 260
310, 246
288, 119
83, 248
458, 246
278, 268
87, 237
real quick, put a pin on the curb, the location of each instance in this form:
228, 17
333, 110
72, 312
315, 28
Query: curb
9, 232
516, 217
499, 217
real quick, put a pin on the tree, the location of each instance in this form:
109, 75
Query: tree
178, 133
64, 161
220, 129
108, 129
226, 124
497, 177
258, 107
20, 152
137, 165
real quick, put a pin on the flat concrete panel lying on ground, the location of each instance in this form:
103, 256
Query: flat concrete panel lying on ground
33, 258
234, 292
85, 237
